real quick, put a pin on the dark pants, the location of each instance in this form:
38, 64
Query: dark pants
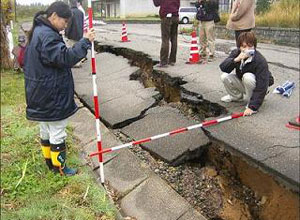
169, 32
237, 34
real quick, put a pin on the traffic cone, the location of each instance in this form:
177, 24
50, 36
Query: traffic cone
124, 33
194, 52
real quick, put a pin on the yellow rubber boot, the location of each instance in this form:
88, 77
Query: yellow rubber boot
58, 158
45, 144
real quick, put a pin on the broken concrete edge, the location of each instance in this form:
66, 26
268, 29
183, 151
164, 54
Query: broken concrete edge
158, 74
157, 99
278, 177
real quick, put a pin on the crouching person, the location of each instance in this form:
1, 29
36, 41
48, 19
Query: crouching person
252, 77
49, 84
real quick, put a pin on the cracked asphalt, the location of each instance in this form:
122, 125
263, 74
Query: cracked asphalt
257, 138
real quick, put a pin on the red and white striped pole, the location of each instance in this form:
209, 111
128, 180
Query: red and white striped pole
96, 103
177, 131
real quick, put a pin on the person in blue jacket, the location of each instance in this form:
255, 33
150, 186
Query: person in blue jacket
49, 84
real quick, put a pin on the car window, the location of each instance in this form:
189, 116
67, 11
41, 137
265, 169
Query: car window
192, 9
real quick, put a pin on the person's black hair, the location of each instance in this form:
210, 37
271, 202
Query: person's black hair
60, 8
73, 3
79, 1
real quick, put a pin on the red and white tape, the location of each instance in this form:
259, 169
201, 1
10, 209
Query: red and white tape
177, 131
96, 103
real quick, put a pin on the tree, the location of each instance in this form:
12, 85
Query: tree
262, 6
7, 14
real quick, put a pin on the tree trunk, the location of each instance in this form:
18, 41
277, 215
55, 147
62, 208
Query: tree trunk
5, 61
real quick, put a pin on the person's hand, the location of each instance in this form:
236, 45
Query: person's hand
248, 112
90, 35
241, 56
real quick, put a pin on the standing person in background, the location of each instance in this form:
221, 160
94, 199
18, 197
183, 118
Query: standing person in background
169, 30
79, 6
74, 30
207, 12
242, 17
49, 85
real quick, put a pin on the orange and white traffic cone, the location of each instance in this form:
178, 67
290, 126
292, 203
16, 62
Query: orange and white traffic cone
194, 52
124, 37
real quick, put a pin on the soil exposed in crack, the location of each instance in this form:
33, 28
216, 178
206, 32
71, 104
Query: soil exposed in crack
222, 186
214, 193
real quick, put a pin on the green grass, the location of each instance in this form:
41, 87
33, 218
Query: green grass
28, 189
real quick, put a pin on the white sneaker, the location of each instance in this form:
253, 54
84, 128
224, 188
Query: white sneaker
229, 98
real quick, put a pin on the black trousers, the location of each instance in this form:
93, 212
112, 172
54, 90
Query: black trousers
237, 34
169, 32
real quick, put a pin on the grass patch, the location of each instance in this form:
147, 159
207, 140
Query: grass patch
28, 189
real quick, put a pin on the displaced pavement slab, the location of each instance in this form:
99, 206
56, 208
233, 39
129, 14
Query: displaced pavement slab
154, 199
160, 120
120, 99
125, 172
127, 108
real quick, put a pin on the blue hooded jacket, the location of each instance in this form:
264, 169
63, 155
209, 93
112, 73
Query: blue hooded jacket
49, 84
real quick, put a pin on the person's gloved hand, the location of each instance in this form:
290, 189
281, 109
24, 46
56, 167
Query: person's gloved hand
90, 34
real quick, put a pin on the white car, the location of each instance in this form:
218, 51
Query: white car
187, 14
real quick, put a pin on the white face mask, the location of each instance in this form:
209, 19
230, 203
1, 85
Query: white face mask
249, 51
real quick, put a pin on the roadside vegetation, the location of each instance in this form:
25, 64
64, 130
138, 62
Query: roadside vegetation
283, 13
28, 189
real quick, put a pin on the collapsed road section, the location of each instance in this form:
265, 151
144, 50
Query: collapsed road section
221, 181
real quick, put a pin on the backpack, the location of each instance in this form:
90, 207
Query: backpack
200, 13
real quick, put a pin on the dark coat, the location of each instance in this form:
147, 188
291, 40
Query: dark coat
258, 67
167, 6
49, 84
207, 10
74, 30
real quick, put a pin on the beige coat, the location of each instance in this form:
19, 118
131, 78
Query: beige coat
242, 15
